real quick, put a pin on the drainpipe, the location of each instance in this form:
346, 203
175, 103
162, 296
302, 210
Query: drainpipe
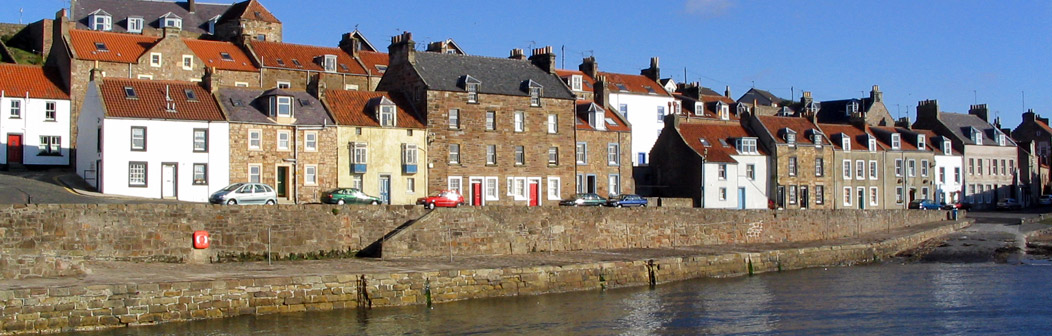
296, 164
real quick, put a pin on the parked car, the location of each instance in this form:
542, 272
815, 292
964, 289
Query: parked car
584, 199
924, 204
348, 195
627, 200
949, 206
1045, 200
245, 193
444, 198
1009, 204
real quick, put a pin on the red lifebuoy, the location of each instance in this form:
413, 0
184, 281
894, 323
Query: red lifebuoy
201, 239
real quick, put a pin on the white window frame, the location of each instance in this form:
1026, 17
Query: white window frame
750, 171
553, 155
614, 184
283, 101
847, 195
410, 185
957, 174
285, 85
135, 138
357, 181
286, 143
554, 188
50, 145
359, 153
847, 169
873, 170
946, 147
792, 166
473, 92
106, 24
722, 193
900, 195
820, 168
921, 141
535, 97
310, 141
199, 177
50, 111
310, 175
454, 119
911, 168
553, 124
860, 170
188, 62
576, 82
491, 120
454, 154
455, 183
156, 59
581, 153
924, 168
491, 154
255, 176
520, 155
255, 136
16, 109
491, 188
388, 114
135, 24
613, 154
898, 168
410, 155
872, 144
874, 196
200, 143
896, 141
240, 84
137, 176
519, 121
721, 171
845, 143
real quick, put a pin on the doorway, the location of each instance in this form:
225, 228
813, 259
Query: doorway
476, 192
283, 182
861, 198
741, 198
14, 148
535, 193
590, 184
803, 197
385, 189
169, 179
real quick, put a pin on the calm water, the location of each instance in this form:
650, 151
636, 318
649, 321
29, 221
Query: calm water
887, 299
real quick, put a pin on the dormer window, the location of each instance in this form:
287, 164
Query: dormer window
597, 117
472, 86
742, 109
851, 108
946, 149
212, 24
281, 106
872, 144
534, 90
746, 146
386, 111
785, 111
977, 137
725, 111
921, 141
329, 63
171, 21
100, 20
816, 138
575, 82
845, 142
1001, 141
790, 136
896, 141
699, 109
135, 24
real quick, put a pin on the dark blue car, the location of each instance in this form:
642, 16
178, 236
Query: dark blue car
627, 200
924, 204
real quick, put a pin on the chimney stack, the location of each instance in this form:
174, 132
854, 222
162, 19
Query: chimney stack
981, 111
402, 49
876, 95
692, 90
654, 72
544, 58
191, 6
928, 111
517, 54
1029, 116
349, 44
727, 91
210, 80
599, 91
589, 66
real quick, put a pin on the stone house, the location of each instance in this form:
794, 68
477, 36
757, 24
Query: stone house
858, 160
602, 137
869, 110
909, 165
223, 63
761, 98
381, 145
34, 117
248, 20
989, 155
192, 19
490, 120
281, 137
1035, 129
714, 161
286, 65
798, 163
154, 139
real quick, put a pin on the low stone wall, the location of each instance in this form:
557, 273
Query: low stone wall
24, 266
519, 230
162, 232
53, 309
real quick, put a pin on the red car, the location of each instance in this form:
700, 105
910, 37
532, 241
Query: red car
445, 198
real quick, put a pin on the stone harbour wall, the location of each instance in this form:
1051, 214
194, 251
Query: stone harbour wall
54, 309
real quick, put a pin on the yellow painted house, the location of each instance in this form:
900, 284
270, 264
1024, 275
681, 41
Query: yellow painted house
382, 145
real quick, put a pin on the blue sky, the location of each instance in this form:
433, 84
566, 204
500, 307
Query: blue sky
958, 52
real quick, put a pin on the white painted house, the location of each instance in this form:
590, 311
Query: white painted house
949, 169
159, 139
34, 117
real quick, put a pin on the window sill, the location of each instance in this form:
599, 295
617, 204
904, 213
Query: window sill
50, 120
491, 165
138, 150
50, 154
136, 186
200, 183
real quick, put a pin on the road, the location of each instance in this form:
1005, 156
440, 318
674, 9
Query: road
44, 187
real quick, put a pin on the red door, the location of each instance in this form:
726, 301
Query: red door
14, 148
535, 194
476, 194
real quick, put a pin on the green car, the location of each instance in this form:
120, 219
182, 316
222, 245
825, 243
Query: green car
348, 195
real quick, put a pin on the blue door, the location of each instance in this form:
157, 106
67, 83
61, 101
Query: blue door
741, 198
385, 189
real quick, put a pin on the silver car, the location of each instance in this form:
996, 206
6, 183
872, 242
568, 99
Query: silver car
245, 193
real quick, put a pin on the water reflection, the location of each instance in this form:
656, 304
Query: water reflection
916, 299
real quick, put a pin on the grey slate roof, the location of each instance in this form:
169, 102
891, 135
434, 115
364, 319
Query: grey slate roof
251, 105
150, 11
832, 112
762, 97
959, 124
444, 72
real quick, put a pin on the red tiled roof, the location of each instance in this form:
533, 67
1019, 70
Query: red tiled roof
355, 108
151, 103
372, 59
801, 126
124, 48
856, 134
634, 83
271, 52
210, 52
22, 80
1044, 126
582, 118
249, 10
713, 132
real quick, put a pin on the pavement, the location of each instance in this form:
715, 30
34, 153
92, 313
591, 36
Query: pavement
116, 273
56, 186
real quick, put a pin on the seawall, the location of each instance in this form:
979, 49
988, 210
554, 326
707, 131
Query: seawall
119, 304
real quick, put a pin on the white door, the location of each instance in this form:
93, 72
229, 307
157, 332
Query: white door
168, 181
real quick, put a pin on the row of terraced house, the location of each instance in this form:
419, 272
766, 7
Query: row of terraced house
178, 99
